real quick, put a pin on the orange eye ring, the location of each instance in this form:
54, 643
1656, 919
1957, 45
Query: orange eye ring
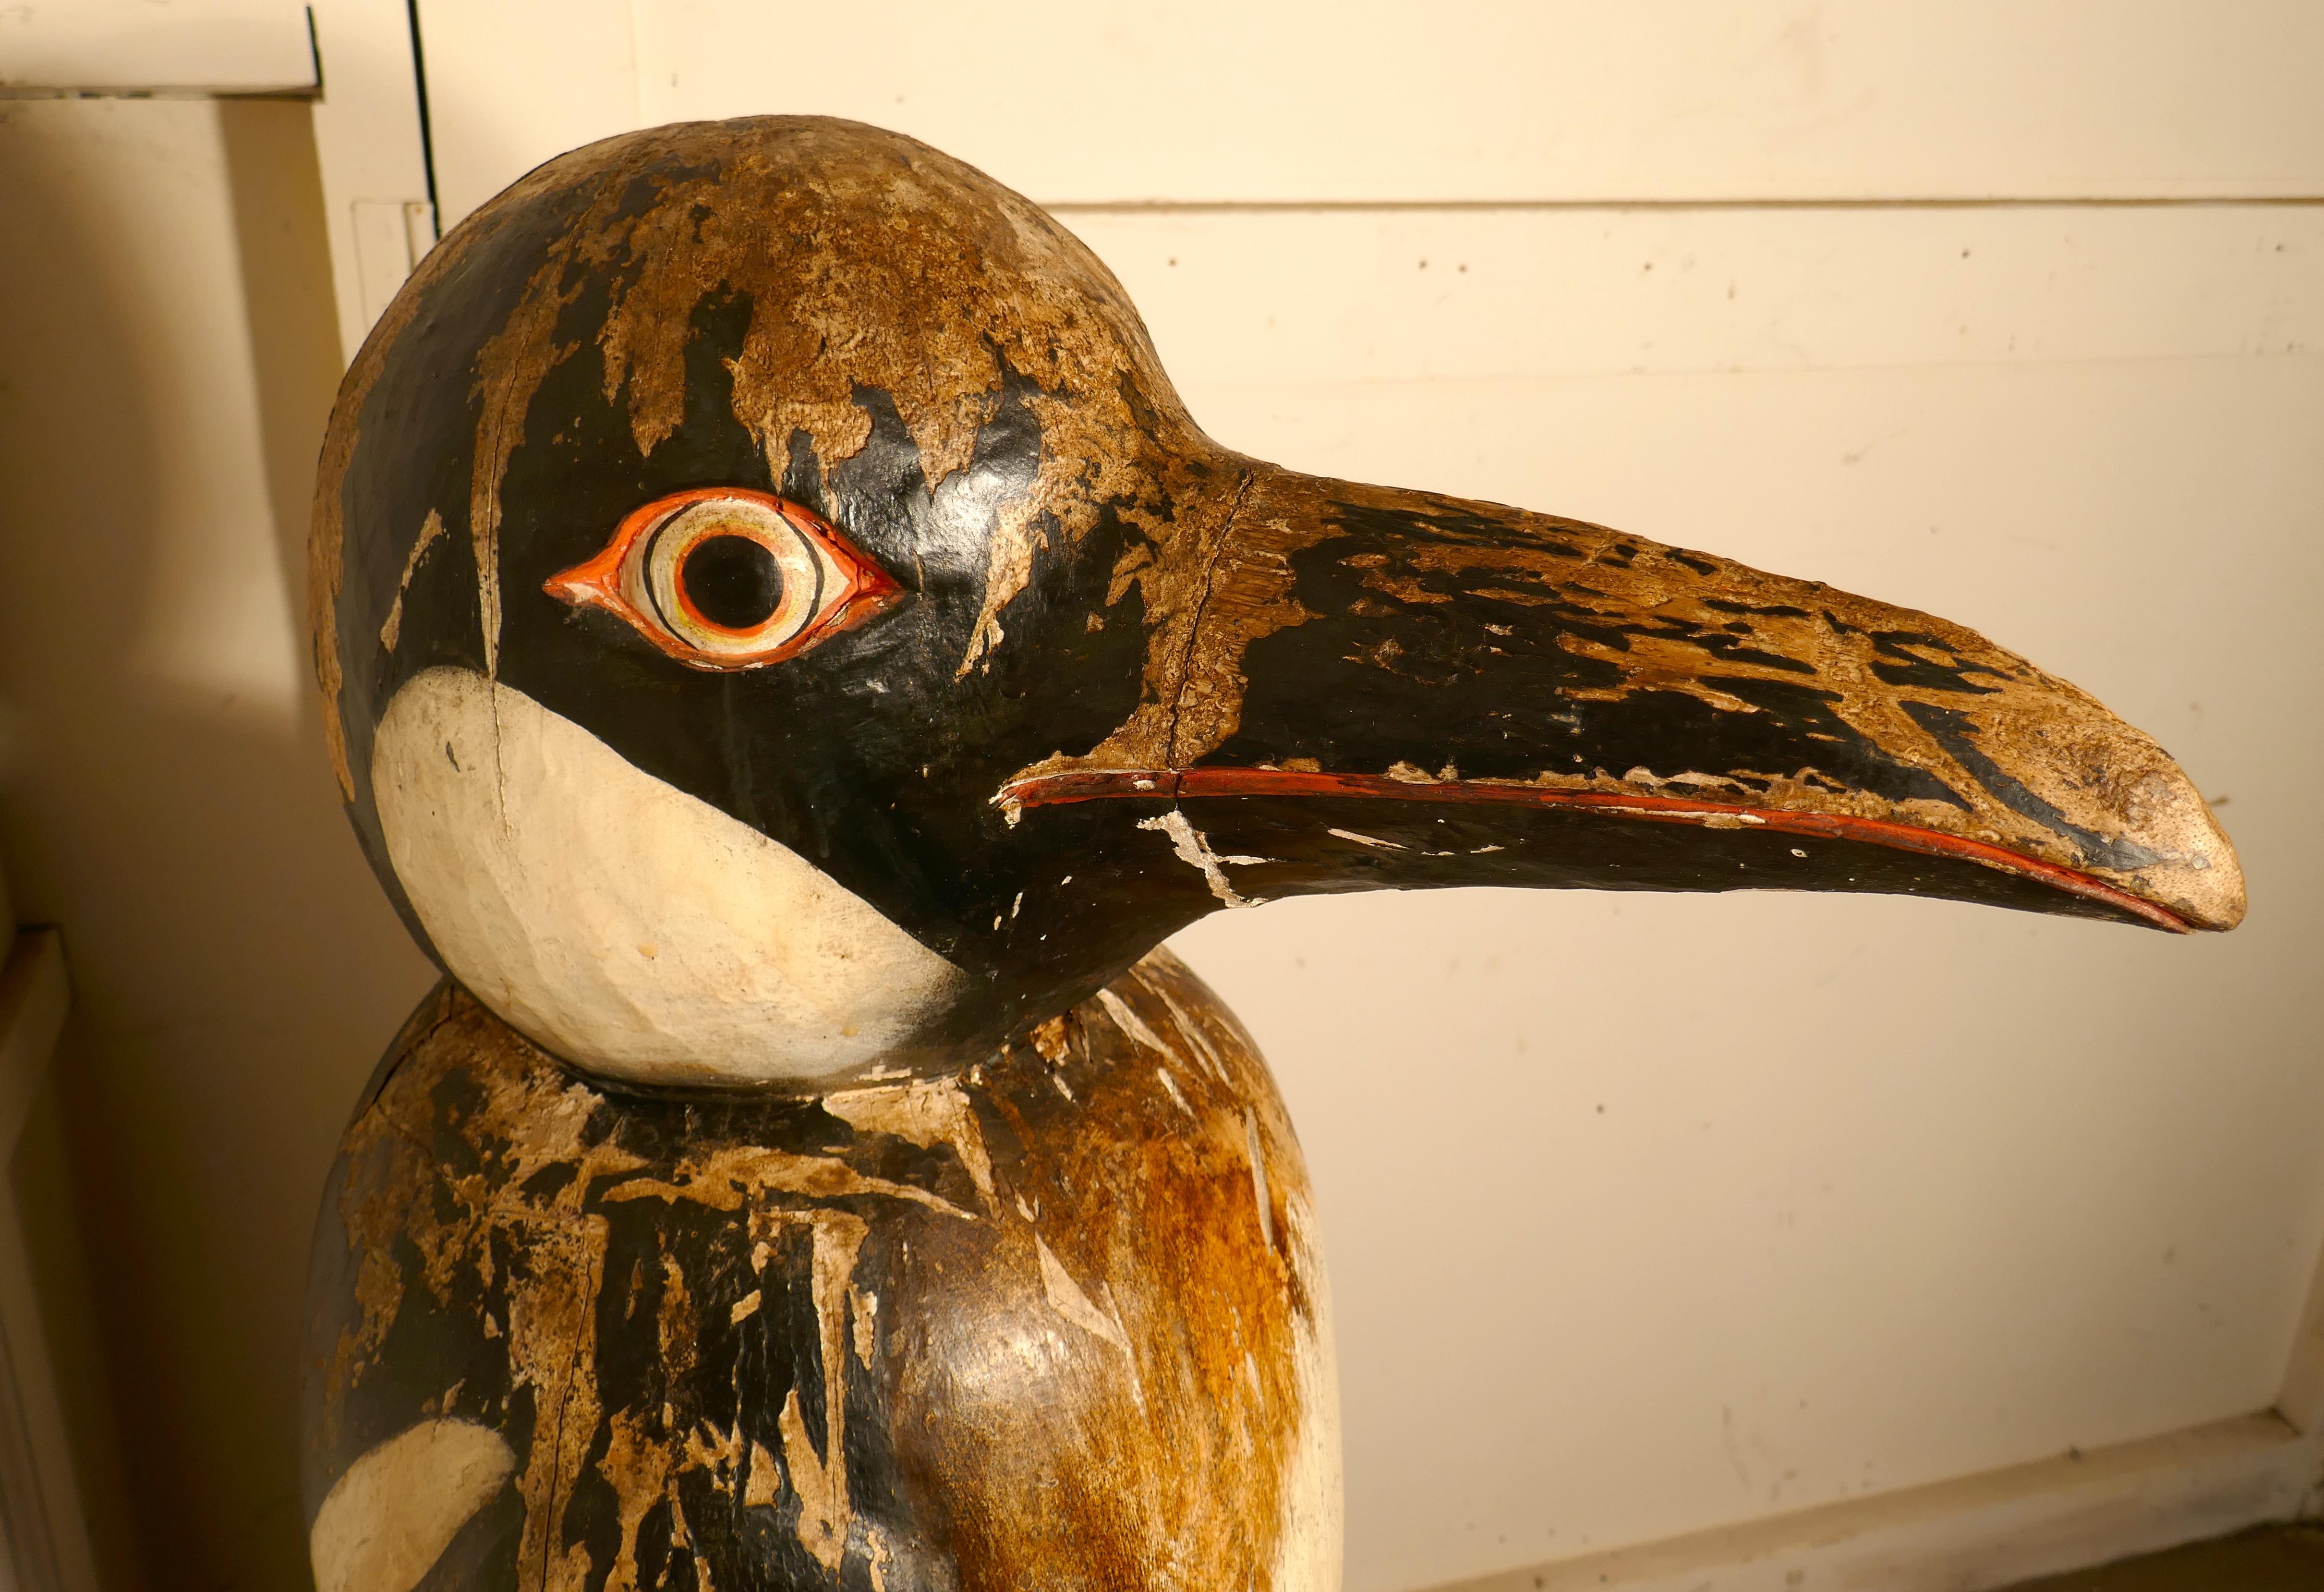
813, 581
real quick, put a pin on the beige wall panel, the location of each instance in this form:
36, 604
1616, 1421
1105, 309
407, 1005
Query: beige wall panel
511, 83
167, 358
1391, 99
1647, 1213
1263, 296
370, 156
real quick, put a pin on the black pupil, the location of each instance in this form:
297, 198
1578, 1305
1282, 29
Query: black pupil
734, 581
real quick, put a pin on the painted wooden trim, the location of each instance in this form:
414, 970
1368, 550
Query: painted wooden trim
124, 47
1386, 101
40, 1491
370, 149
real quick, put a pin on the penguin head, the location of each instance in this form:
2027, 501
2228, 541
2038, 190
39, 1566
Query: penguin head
777, 624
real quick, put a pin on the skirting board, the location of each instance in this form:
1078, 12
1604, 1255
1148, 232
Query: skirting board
1977, 1531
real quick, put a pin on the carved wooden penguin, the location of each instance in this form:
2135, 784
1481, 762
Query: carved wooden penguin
791, 659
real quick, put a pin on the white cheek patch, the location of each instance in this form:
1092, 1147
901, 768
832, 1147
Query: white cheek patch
624, 925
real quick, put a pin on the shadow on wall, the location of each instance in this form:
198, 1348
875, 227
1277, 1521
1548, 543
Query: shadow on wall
168, 359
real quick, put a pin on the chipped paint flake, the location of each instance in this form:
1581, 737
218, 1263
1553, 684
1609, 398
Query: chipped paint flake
764, 1486
1259, 1191
862, 1314
820, 1480
1196, 1037
725, 1179
1065, 1297
637, 1466
1127, 1019
1194, 849
926, 1112
1053, 1040
431, 531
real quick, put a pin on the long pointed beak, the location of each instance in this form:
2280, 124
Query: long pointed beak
1352, 686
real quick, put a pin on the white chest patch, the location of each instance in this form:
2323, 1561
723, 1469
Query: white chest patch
388, 1520
628, 927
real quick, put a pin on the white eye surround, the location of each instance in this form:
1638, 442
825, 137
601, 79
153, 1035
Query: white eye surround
723, 578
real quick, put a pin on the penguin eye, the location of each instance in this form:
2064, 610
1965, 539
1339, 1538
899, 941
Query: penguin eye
725, 578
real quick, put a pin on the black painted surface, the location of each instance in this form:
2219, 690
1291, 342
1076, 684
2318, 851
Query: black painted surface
887, 789
1440, 845
636, 1293
1372, 678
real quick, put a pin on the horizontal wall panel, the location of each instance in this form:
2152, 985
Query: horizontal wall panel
1394, 100
1650, 1213
1464, 99
189, 47
1400, 295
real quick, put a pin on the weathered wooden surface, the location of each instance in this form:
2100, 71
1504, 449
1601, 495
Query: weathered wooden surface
1069, 676
1057, 1321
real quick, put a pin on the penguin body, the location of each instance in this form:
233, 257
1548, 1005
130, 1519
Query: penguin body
1057, 1320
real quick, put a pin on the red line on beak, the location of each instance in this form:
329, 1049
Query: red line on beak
1173, 784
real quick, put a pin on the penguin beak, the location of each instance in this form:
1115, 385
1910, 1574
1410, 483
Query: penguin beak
1351, 686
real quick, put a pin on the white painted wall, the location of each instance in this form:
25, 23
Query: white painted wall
1644, 1214
166, 360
